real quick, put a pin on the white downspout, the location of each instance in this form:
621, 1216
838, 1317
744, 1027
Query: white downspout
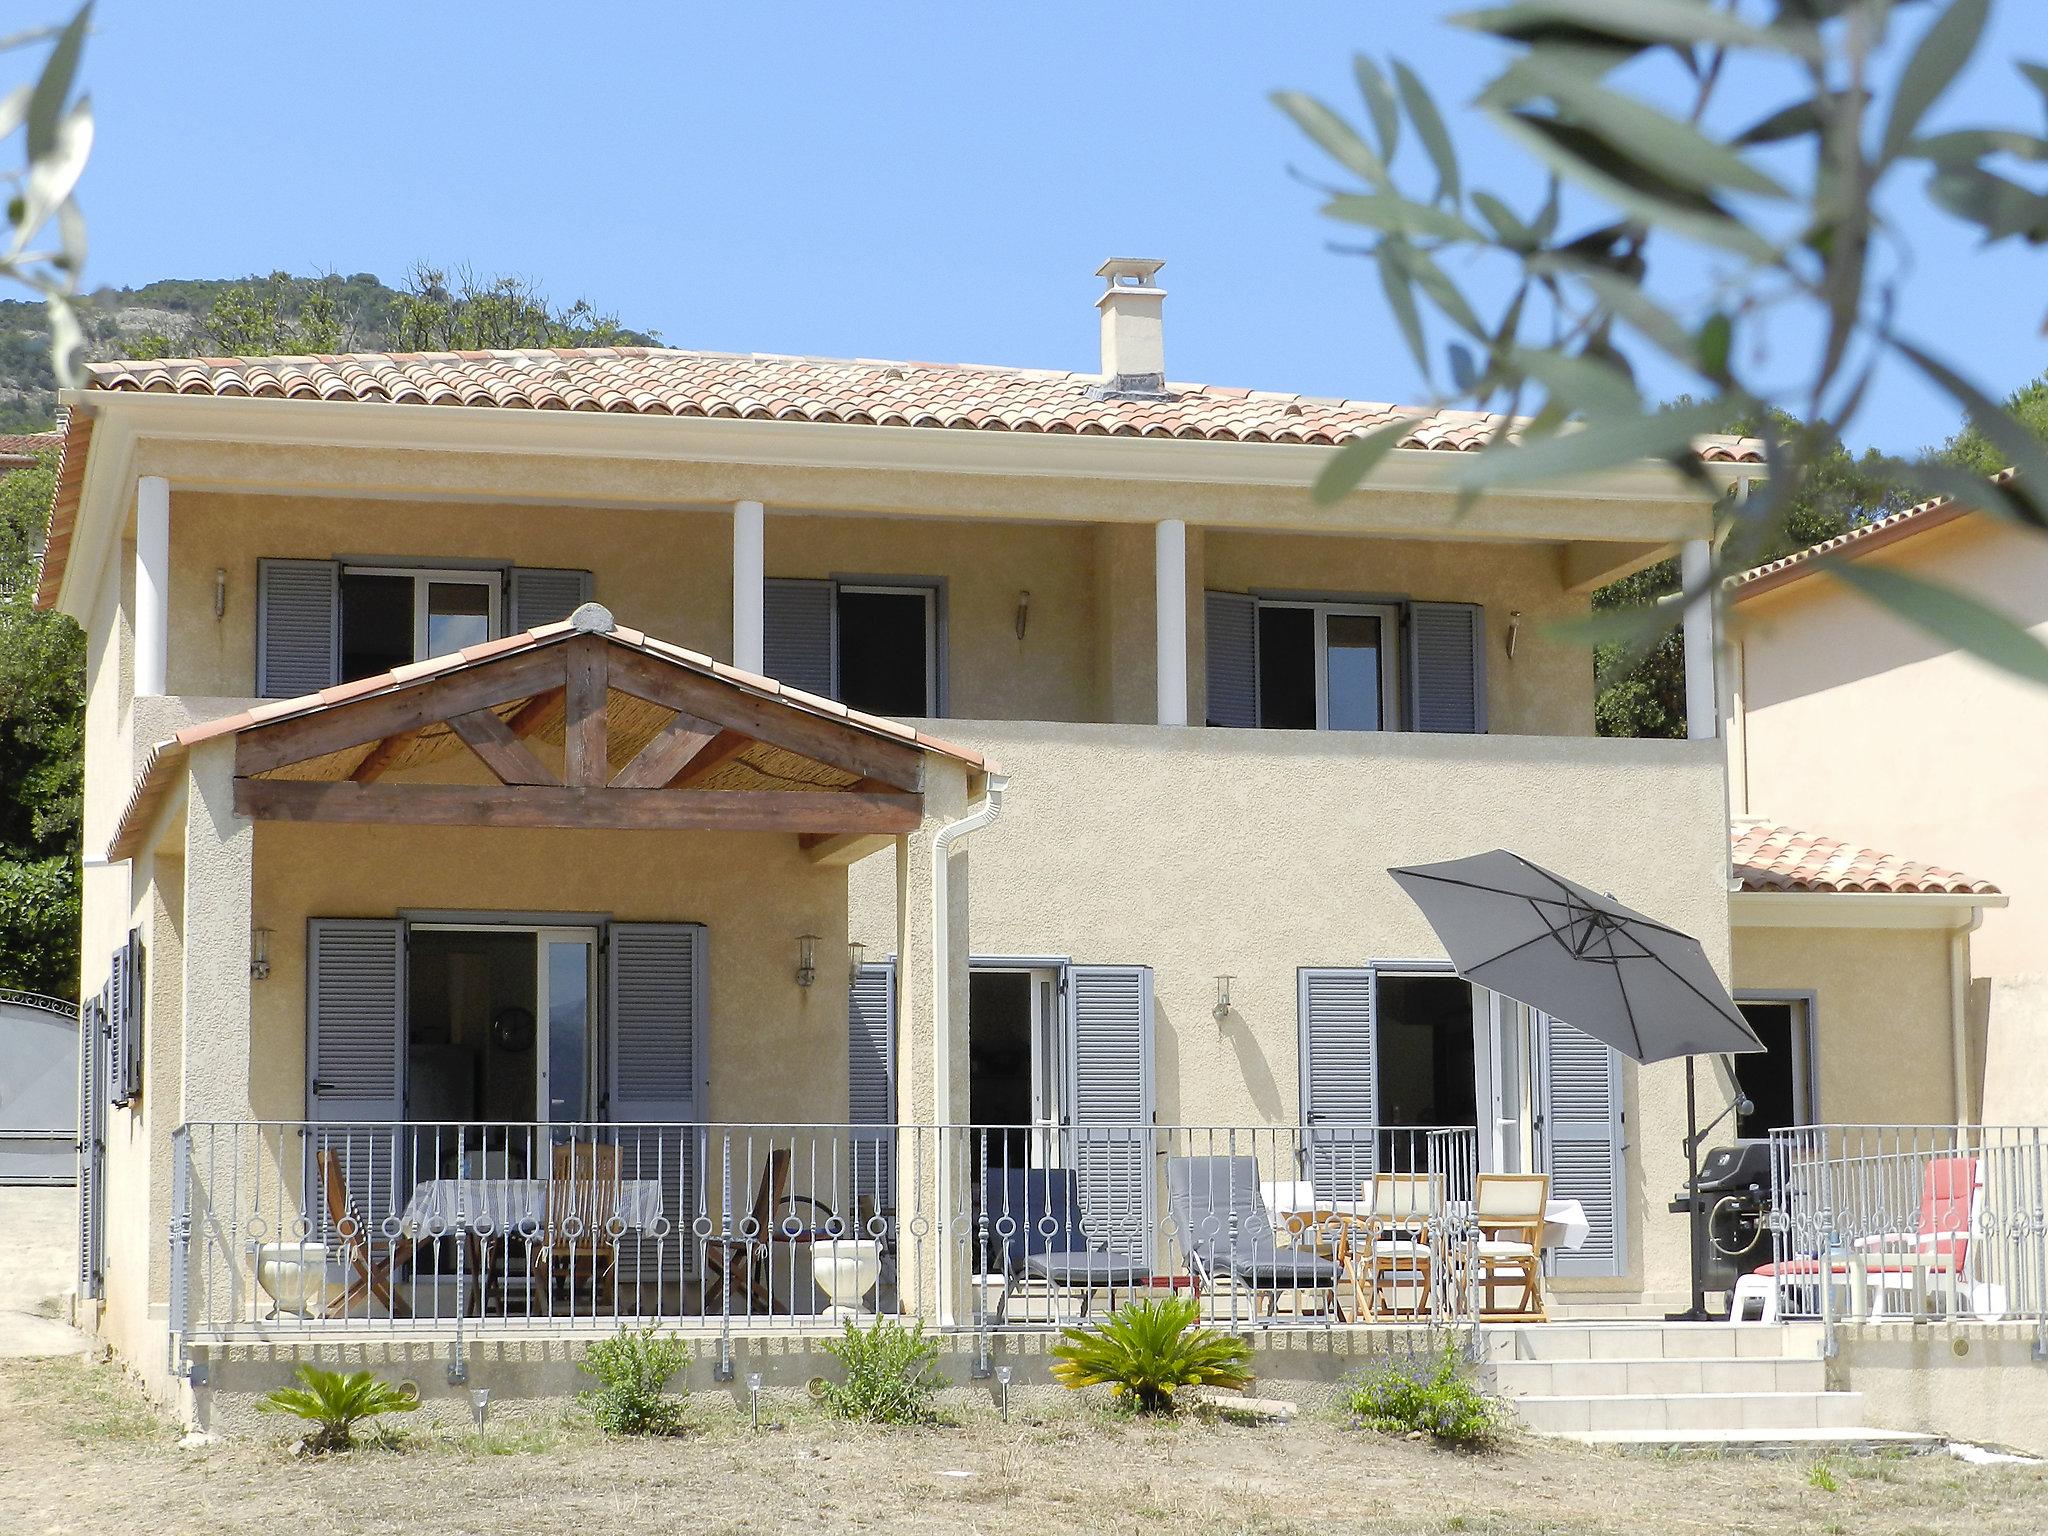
1959, 1009
979, 815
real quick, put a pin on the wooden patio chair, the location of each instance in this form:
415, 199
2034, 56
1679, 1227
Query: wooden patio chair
369, 1276
581, 1243
1398, 1253
1507, 1212
736, 1267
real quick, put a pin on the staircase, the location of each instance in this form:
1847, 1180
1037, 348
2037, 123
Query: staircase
1634, 1383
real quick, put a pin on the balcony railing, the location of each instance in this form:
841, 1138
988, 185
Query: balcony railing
1923, 1223
333, 1229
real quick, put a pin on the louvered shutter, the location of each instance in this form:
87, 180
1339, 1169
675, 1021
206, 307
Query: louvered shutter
1339, 1078
1109, 1120
1447, 666
657, 992
1231, 622
92, 1048
871, 1083
117, 1028
298, 627
544, 596
796, 635
355, 1006
1580, 1106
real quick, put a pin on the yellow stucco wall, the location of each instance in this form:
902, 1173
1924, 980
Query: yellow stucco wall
1881, 1013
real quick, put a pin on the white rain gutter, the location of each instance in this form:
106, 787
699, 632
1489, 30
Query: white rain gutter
1959, 1009
980, 814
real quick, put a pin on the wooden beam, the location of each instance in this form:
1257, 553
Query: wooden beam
383, 755
491, 739
520, 805
840, 848
585, 744
727, 746
263, 747
527, 719
667, 755
821, 737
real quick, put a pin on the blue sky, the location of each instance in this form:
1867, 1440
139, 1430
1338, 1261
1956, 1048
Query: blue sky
903, 180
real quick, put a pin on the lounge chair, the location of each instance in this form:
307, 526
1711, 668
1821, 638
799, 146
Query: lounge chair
1226, 1232
1032, 1229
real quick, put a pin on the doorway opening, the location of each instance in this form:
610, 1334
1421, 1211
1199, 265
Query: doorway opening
1427, 1062
1014, 1064
1778, 1080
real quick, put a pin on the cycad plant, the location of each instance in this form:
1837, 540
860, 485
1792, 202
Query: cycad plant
335, 1404
1148, 1350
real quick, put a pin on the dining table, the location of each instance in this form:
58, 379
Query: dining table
483, 1212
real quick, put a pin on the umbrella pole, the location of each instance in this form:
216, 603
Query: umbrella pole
1698, 1314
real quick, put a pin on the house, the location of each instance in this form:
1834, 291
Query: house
820, 787
1846, 722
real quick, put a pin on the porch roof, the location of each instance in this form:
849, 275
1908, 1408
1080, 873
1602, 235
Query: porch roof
651, 736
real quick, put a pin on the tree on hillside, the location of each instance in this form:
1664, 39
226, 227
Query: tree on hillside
1970, 449
442, 311
42, 723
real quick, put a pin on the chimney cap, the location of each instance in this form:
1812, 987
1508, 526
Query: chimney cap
1130, 271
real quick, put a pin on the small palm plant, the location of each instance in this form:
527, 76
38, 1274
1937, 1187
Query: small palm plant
334, 1404
1148, 1350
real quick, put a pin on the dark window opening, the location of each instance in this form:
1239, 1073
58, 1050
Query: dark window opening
1425, 1051
470, 1047
376, 624
1287, 668
1769, 1078
999, 1062
885, 652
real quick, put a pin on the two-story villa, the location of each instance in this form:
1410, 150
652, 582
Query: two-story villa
552, 741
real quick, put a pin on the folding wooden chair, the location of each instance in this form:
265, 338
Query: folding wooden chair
1399, 1254
1507, 1210
583, 1203
369, 1277
736, 1267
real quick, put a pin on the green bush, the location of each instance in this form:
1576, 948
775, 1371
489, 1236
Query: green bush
1148, 1350
1430, 1397
633, 1369
891, 1374
334, 1404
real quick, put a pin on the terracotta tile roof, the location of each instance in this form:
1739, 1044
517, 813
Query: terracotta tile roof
166, 758
1860, 540
1773, 858
24, 446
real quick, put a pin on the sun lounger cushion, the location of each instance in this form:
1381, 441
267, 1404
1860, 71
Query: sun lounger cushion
1086, 1270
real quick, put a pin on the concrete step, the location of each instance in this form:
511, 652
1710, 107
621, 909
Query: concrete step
1691, 1412
1643, 1341
1761, 1442
1658, 1376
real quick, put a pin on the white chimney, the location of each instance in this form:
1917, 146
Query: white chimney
1133, 332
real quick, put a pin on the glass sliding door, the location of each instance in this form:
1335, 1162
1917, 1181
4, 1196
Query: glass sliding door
566, 985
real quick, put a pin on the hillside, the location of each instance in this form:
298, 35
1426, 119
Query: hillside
255, 315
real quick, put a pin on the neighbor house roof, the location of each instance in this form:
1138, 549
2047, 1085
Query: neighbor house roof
18, 448
1775, 858
166, 759
1863, 539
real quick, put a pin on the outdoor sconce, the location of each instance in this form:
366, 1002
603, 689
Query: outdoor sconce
806, 959
856, 957
259, 954
1023, 612
1223, 997
1514, 631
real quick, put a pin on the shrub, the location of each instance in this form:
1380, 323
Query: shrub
891, 1374
1148, 1350
1429, 1397
335, 1404
633, 1369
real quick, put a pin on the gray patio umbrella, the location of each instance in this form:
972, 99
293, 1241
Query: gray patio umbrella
1627, 980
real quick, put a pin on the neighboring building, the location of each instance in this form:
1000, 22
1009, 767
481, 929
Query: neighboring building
361, 809
1846, 719
18, 450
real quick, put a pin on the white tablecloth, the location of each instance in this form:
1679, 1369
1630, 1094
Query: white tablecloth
1565, 1224
489, 1207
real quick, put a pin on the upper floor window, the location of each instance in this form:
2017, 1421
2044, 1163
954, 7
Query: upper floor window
393, 616
872, 645
1328, 667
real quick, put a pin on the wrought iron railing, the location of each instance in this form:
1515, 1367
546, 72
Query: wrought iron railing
376, 1228
1929, 1223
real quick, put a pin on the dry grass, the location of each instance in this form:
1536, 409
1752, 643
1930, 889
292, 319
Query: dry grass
79, 1451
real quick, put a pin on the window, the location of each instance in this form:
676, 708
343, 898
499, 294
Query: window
888, 653
1328, 666
1778, 1080
391, 617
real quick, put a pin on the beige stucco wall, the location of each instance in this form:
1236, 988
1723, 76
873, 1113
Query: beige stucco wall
1255, 853
1855, 724
1883, 1027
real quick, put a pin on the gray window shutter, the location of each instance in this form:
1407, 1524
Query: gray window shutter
92, 1055
1109, 1121
657, 986
1447, 666
1580, 1124
117, 1028
871, 1082
355, 1008
1231, 620
543, 596
298, 627
797, 635
1339, 1078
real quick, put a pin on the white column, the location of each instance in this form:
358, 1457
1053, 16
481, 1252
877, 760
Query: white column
1702, 699
1170, 566
749, 573
152, 584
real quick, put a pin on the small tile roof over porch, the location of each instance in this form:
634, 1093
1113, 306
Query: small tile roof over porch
651, 735
1777, 858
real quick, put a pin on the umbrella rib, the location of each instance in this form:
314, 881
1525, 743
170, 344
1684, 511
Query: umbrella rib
1680, 978
1558, 880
